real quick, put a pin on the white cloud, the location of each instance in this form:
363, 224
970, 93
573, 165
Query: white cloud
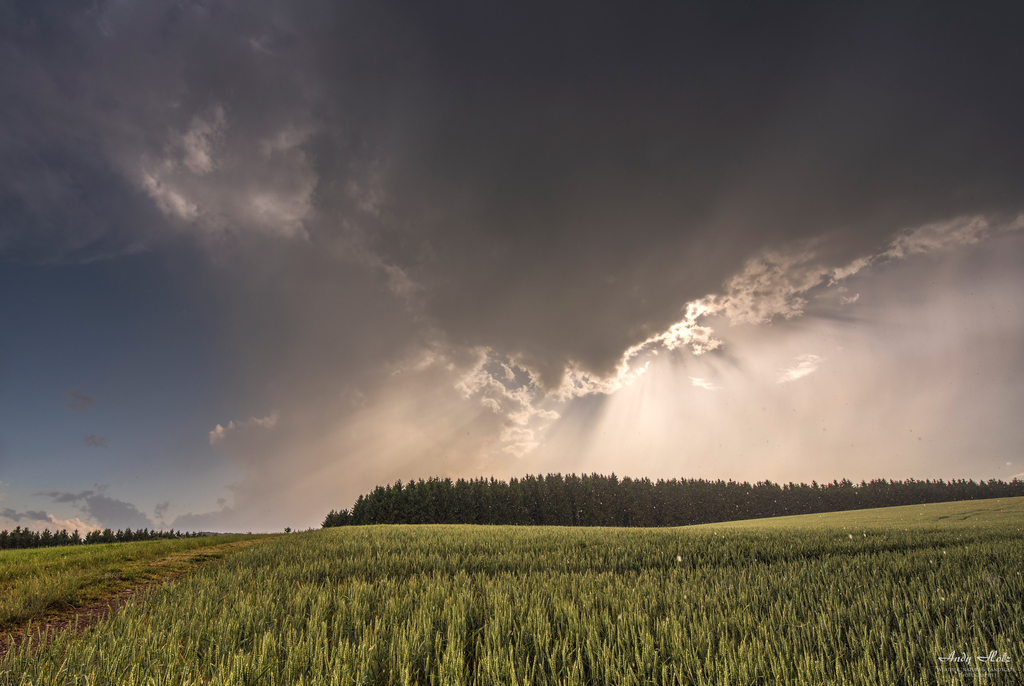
275, 210
492, 381
195, 150
267, 422
803, 366
399, 282
38, 520
840, 273
202, 184
686, 332
199, 139
368, 197
550, 415
706, 384
422, 359
71, 524
776, 284
168, 199
941, 236
520, 449
220, 433
928, 238
770, 285
515, 433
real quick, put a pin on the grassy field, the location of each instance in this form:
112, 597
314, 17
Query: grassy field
1008, 512
38, 582
852, 598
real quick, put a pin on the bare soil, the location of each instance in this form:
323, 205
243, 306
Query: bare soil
77, 619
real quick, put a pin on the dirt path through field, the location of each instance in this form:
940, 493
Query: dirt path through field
171, 568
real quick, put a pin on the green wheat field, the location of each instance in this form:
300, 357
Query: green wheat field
869, 597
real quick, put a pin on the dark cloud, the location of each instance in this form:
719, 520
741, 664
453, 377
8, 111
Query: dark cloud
114, 513
551, 181
94, 441
398, 201
30, 515
77, 400
161, 509
61, 497
562, 181
219, 520
107, 511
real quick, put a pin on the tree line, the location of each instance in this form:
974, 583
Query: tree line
598, 500
26, 538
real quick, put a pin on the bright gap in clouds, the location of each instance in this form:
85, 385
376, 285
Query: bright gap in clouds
902, 382
899, 383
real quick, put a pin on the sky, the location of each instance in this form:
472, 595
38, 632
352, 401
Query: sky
259, 257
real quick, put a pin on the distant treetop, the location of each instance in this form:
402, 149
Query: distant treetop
597, 500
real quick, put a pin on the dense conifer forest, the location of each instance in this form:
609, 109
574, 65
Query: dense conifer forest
26, 538
598, 500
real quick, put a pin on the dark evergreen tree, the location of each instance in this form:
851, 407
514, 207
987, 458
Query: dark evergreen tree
597, 500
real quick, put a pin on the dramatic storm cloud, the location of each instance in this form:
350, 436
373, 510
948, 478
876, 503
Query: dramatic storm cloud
303, 249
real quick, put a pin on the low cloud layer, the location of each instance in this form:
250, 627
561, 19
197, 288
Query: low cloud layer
107, 512
30, 515
38, 520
